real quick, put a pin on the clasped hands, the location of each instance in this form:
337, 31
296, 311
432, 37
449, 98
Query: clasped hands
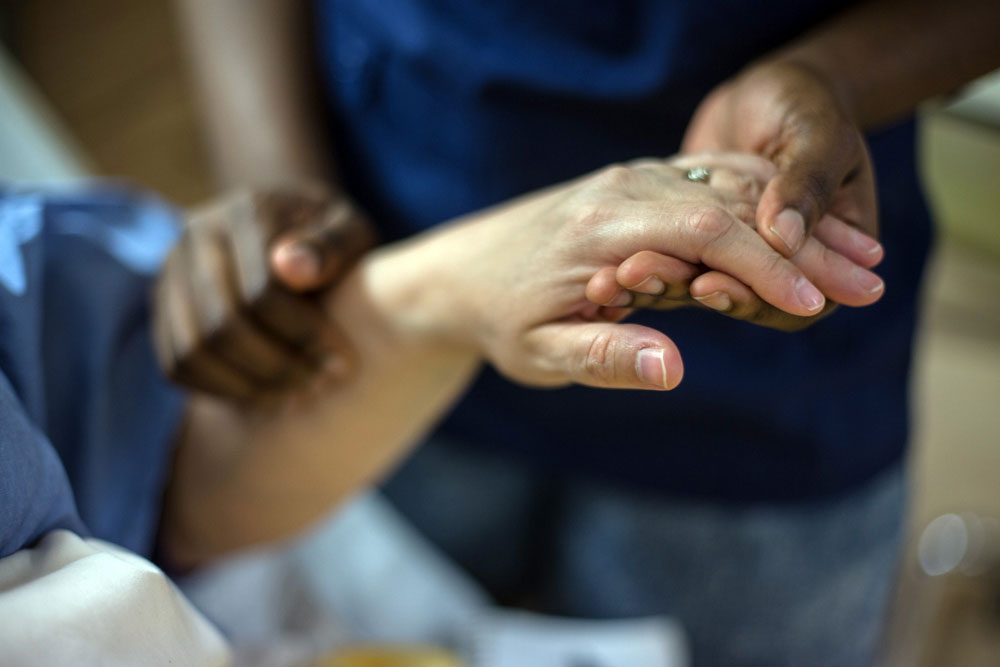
784, 228
537, 286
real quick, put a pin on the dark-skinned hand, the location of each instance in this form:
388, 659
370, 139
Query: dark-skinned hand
792, 116
236, 309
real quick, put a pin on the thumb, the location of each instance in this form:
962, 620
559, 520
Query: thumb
811, 171
315, 255
608, 355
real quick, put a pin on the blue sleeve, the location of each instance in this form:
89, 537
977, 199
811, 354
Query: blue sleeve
35, 495
88, 421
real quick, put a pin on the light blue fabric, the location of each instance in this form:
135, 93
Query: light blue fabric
86, 419
20, 221
137, 237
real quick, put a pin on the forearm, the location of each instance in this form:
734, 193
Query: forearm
261, 112
507, 285
885, 57
248, 477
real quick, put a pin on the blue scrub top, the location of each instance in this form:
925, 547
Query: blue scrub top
441, 107
86, 419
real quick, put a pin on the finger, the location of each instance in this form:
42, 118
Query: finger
653, 273
245, 346
736, 183
201, 371
849, 241
314, 255
711, 236
837, 277
603, 289
251, 347
184, 356
299, 321
242, 342
656, 281
813, 166
644, 280
724, 294
296, 320
599, 354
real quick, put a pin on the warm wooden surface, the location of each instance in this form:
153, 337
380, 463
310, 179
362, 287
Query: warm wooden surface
114, 71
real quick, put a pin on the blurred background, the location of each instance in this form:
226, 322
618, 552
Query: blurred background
99, 88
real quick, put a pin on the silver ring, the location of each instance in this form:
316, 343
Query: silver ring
698, 174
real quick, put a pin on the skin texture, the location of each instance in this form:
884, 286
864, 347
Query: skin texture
836, 258
805, 107
788, 114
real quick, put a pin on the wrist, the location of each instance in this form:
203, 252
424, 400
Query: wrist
404, 296
820, 69
805, 69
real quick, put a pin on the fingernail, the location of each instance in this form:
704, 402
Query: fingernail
717, 301
868, 280
790, 228
865, 243
620, 300
809, 296
651, 367
299, 259
651, 285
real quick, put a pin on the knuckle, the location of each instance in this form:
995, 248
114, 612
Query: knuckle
616, 177
775, 267
254, 298
818, 186
255, 287
748, 186
598, 362
590, 216
756, 311
745, 211
188, 370
710, 224
829, 259
213, 328
846, 135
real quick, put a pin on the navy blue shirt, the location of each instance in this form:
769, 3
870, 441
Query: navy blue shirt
86, 419
441, 107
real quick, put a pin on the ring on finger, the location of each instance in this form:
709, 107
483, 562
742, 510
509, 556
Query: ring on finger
698, 174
